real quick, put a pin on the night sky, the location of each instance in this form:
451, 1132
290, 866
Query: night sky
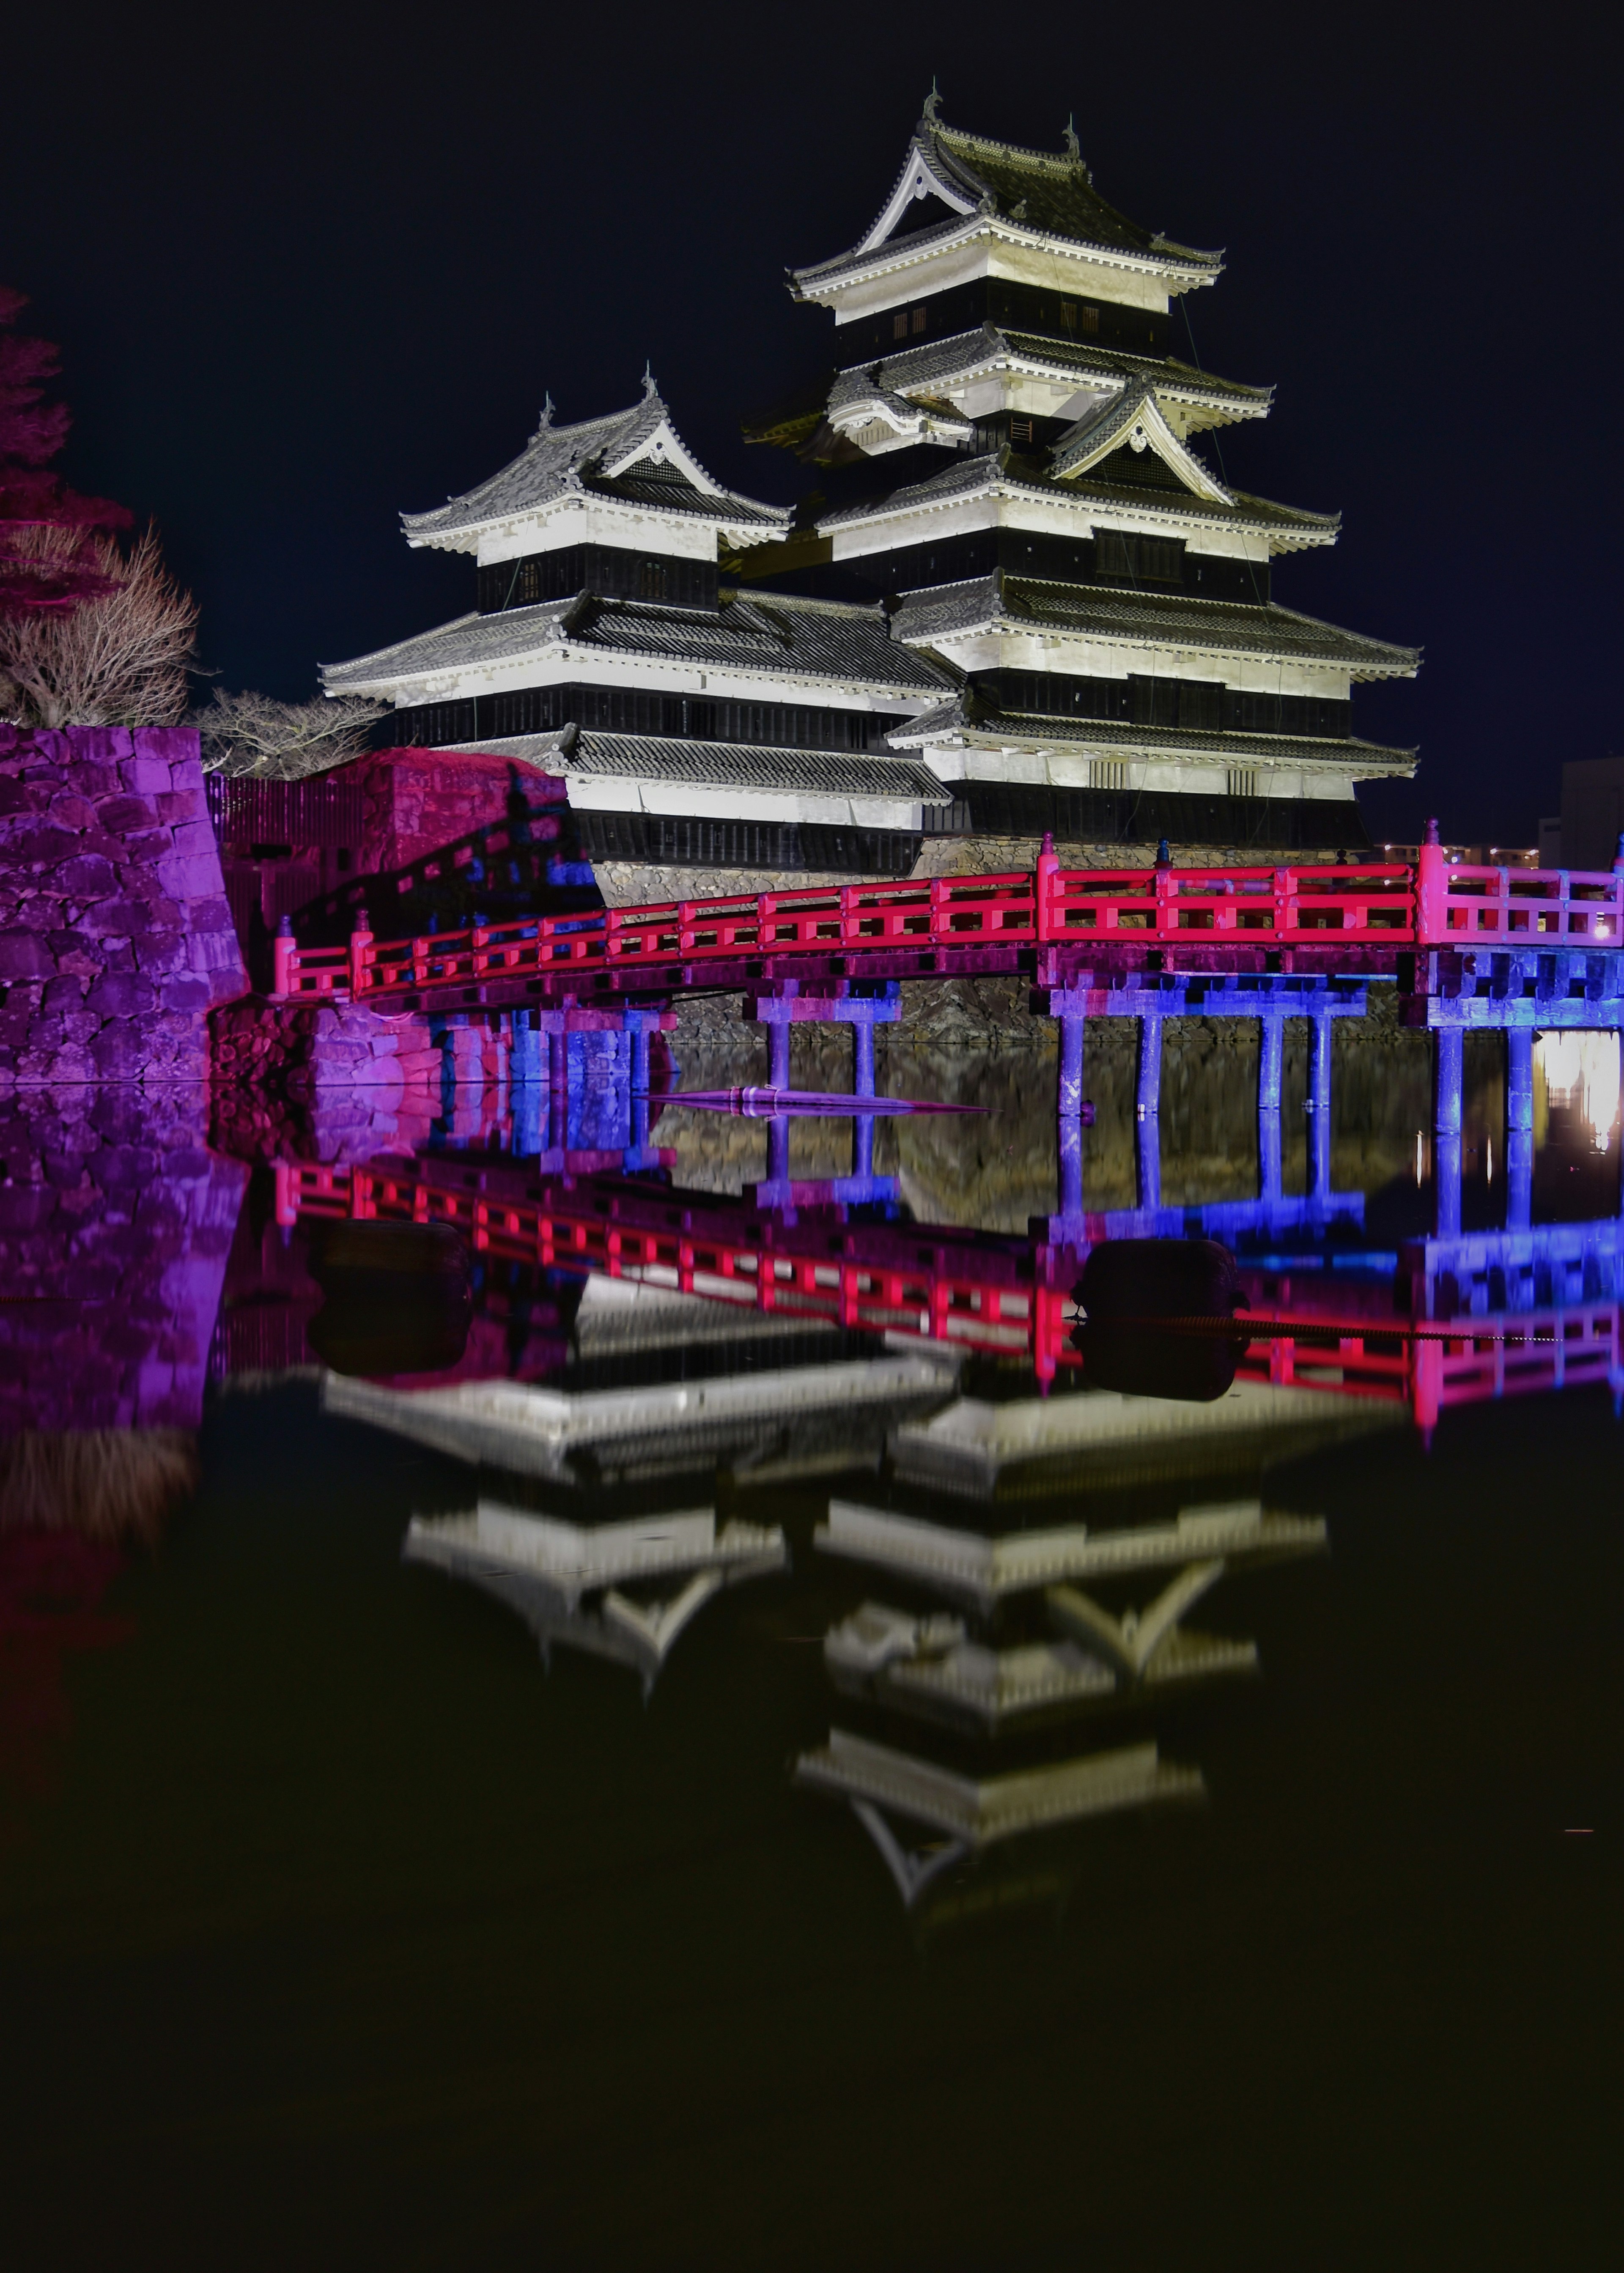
309, 267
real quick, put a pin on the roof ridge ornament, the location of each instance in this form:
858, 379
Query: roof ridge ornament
546, 412
931, 114
1073, 148
649, 390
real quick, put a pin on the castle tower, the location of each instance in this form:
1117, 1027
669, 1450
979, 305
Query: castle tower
1010, 454
710, 739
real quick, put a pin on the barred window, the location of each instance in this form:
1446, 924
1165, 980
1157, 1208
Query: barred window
1201, 706
1147, 559
900, 325
1241, 781
1107, 773
919, 320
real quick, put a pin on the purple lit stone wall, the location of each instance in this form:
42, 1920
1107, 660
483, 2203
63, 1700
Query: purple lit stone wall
115, 940
115, 1226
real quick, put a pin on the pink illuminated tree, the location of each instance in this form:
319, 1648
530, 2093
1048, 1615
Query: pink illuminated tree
37, 577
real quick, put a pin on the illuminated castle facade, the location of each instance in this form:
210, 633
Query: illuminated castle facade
1017, 597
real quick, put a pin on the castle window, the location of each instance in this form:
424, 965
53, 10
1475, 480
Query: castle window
1020, 429
1241, 781
900, 325
1200, 705
919, 320
1147, 559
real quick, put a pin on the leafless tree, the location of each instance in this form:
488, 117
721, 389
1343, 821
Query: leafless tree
249, 733
118, 660
106, 1484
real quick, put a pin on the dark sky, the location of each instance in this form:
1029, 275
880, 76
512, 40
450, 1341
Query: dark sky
309, 267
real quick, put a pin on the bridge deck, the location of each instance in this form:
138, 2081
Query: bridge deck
1050, 921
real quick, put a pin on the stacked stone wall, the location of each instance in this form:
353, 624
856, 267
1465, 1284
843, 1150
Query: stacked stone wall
116, 1222
418, 800
115, 939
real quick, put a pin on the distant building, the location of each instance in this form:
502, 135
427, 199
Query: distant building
1020, 598
1592, 813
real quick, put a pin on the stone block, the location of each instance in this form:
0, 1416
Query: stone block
149, 777
194, 838
121, 994
186, 992
24, 955
37, 845
124, 817
90, 877
69, 808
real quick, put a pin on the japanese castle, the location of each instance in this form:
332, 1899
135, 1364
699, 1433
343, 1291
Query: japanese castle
1017, 599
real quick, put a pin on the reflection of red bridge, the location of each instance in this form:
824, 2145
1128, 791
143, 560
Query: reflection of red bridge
1050, 920
977, 1291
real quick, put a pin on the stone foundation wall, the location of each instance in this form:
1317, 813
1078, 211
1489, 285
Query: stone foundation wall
116, 1222
634, 883
991, 856
115, 940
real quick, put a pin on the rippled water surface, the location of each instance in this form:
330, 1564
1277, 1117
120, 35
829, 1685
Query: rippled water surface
675, 1721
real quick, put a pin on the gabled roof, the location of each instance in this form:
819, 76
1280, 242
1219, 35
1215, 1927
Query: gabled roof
770, 632
1172, 621
1038, 196
1134, 419
1290, 527
634, 455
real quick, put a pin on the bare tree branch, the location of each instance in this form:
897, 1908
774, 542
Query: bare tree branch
253, 734
117, 660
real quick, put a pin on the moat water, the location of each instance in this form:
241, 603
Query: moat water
340, 1923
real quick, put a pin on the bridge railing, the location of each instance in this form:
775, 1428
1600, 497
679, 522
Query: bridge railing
1378, 905
1279, 906
1517, 905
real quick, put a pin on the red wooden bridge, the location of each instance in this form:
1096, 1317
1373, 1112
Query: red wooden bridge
1050, 921
1000, 1296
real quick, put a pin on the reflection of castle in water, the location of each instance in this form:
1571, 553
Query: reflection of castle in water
928, 1666
633, 1342
547, 1571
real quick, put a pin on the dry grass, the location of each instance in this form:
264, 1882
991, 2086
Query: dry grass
120, 1485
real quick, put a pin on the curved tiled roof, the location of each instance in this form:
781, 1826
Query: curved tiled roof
971, 477
767, 632
558, 459
1146, 619
1051, 194
1001, 730
725, 765
918, 370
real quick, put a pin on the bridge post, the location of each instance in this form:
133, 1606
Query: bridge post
1147, 1161
1071, 1166
1071, 1093
1271, 1058
1448, 1063
1147, 1097
1519, 1128
1320, 1107
1148, 1109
